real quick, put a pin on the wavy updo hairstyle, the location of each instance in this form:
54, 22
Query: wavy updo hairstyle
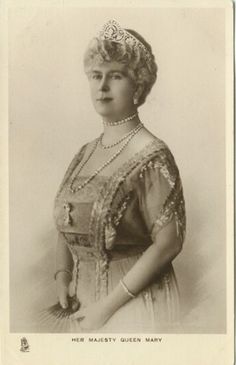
142, 71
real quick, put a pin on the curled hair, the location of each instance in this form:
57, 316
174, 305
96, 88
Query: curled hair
142, 71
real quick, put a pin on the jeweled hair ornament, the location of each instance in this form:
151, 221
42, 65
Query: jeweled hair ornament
112, 31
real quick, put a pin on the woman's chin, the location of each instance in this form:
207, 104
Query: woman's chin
108, 112
104, 111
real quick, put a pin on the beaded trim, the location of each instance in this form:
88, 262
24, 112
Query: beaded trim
164, 164
77, 239
174, 204
121, 209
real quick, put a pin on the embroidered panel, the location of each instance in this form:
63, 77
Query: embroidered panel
77, 239
174, 205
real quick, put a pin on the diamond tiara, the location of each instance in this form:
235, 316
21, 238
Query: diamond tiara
112, 31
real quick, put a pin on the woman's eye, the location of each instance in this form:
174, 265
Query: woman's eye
96, 77
116, 76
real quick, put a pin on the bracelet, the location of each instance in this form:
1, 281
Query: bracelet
62, 270
126, 289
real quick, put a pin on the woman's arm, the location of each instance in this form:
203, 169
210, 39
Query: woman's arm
64, 258
149, 266
64, 265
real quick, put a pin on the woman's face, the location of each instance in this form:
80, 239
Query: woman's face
112, 90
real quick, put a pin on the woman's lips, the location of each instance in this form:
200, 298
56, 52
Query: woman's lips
104, 100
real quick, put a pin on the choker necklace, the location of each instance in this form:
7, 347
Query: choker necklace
105, 164
122, 121
107, 146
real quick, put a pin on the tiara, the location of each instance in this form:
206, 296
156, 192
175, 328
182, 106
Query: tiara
112, 31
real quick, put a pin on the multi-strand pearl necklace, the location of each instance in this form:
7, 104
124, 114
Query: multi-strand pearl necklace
122, 121
110, 160
105, 147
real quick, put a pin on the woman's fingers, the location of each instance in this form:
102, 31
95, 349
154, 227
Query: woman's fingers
79, 315
75, 306
63, 298
64, 302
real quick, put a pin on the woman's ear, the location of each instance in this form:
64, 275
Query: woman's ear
137, 94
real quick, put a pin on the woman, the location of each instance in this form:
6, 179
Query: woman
120, 208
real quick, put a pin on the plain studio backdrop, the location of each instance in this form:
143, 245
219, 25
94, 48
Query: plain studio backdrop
51, 117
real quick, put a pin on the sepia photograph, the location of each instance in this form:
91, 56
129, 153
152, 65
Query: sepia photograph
119, 120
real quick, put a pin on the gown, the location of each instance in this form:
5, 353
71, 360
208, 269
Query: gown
108, 225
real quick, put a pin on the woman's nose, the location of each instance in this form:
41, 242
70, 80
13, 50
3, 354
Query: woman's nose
104, 84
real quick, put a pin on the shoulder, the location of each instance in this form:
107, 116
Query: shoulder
152, 148
154, 161
78, 157
148, 146
84, 150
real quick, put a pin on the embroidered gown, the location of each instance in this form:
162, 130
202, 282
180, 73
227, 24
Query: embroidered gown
108, 225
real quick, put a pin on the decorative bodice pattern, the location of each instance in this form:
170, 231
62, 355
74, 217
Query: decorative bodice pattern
121, 215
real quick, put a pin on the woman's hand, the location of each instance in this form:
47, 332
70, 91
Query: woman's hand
92, 317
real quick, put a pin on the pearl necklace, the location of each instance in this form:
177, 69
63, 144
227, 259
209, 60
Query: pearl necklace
122, 121
119, 141
111, 159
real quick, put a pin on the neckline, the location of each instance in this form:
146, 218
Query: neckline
150, 147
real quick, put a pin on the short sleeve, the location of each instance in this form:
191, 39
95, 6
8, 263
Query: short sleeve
161, 194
